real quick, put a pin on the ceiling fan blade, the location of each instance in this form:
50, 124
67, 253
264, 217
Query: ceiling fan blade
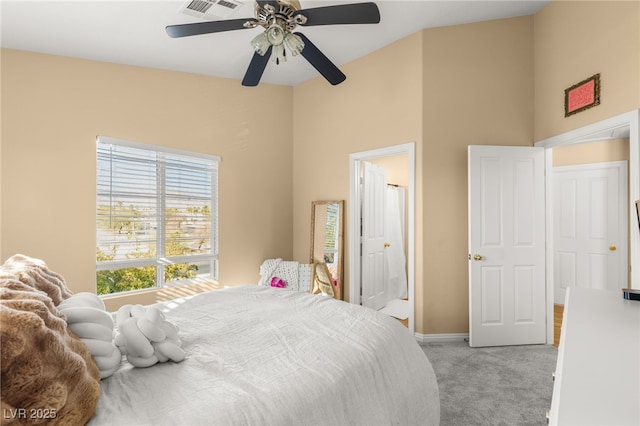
256, 68
320, 62
197, 28
357, 13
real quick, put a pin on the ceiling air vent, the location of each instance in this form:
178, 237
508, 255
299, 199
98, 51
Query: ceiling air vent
211, 9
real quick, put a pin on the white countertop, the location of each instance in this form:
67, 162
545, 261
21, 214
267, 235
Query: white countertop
598, 372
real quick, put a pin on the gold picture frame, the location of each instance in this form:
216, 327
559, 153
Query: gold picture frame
327, 241
582, 95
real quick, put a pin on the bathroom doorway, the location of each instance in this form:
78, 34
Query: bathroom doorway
398, 163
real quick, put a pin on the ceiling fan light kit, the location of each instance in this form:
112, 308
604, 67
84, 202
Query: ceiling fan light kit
294, 43
261, 43
279, 18
278, 54
275, 34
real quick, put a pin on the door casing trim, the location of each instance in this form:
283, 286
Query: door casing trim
609, 128
353, 233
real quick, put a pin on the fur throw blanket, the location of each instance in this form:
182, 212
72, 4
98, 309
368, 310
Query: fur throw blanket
48, 374
35, 273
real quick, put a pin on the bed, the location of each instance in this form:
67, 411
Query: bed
251, 355
267, 356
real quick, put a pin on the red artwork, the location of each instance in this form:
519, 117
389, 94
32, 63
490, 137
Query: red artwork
581, 96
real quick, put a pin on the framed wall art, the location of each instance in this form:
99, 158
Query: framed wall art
582, 95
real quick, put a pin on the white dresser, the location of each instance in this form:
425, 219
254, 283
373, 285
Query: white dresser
597, 377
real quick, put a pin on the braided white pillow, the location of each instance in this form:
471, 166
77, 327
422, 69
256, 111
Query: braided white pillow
146, 337
87, 318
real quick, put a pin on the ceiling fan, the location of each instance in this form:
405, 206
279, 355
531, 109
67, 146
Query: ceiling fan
279, 18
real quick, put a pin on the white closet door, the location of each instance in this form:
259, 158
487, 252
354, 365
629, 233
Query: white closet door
590, 227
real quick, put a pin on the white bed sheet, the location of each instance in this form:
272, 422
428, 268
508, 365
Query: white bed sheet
267, 356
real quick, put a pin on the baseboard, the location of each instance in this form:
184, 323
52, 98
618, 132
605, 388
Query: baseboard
441, 338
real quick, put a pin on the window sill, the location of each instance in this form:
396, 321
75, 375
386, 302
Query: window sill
113, 302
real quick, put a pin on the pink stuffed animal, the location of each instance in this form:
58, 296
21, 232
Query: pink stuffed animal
278, 282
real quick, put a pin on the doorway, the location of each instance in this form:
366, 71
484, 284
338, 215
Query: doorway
619, 127
625, 125
356, 161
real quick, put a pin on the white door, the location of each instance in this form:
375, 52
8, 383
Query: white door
590, 227
506, 245
374, 185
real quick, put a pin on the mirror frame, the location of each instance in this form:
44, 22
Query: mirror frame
340, 277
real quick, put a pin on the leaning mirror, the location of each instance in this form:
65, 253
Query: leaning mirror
327, 246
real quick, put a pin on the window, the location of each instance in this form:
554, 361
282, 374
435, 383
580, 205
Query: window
156, 216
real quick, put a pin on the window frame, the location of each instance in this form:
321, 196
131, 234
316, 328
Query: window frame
160, 261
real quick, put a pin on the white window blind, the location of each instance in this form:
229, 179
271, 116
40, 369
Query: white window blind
156, 216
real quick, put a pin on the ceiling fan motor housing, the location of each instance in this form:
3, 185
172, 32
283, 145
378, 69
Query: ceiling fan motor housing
282, 14
280, 20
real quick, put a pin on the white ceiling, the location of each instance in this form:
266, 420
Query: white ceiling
132, 32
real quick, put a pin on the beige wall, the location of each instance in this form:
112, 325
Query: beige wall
443, 88
478, 90
396, 167
377, 106
575, 40
53, 109
593, 152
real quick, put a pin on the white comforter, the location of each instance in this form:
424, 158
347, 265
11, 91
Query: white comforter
265, 356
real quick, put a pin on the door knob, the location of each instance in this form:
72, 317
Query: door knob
477, 257
387, 245
612, 248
